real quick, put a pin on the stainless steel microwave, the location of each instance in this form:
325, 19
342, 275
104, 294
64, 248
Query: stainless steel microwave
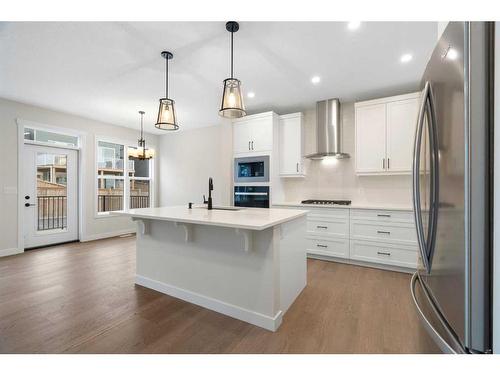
251, 169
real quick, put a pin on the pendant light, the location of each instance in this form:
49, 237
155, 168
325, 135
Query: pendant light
141, 152
167, 118
232, 97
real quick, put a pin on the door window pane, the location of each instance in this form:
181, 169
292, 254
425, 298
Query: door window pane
109, 194
51, 177
139, 193
110, 159
50, 137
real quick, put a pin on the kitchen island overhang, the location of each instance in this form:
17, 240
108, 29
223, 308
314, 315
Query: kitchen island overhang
249, 264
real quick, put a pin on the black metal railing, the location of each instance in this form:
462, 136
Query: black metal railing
115, 202
139, 201
51, 212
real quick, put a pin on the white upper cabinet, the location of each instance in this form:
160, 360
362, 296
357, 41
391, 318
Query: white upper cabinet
385, 130
253, 133
401, 123
370, 138
291, 145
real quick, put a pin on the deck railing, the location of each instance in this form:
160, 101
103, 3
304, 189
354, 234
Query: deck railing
115, 202
51, 212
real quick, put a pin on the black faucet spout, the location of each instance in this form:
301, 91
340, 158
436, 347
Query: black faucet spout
210, 188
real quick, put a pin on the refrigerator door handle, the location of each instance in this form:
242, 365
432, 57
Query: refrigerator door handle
438, 339
416, 177
434, 196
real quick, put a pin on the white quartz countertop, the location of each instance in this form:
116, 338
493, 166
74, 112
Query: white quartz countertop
354, 205
245, 218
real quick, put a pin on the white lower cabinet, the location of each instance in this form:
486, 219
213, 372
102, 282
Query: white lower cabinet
363, 236
328, 246
383, 253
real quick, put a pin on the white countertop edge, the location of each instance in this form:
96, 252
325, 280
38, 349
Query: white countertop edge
387, 207
296, 215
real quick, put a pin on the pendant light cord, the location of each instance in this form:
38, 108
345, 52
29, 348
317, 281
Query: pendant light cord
142, 116
166, 78
232, 54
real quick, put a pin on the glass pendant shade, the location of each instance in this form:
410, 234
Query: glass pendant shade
232, 99
167, 118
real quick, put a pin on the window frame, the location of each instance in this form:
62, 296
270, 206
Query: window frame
126, 177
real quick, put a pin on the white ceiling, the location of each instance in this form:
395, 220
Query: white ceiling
110, 70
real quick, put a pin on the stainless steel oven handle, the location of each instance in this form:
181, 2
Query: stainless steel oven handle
417, 208
438, 339
240, 193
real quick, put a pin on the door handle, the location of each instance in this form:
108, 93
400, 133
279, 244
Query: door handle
416, 177
29, 204
26, 197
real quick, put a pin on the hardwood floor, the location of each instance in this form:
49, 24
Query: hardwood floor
81, 298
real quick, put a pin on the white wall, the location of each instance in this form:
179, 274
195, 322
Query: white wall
338, 180
189, 158
92, 227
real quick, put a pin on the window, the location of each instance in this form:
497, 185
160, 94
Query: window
44, 136
120, 184
139, 187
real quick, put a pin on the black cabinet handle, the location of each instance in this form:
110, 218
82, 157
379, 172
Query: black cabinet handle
323, 246
249, 145
383, 215
383, 253
383, 232
321, 227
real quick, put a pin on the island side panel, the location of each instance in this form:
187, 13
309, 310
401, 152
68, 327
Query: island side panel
292, 261
212, 269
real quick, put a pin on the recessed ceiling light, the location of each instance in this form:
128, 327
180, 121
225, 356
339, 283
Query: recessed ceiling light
406, 57
251, 95
315, 80
353, 25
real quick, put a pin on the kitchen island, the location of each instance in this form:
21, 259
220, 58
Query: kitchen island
248, 263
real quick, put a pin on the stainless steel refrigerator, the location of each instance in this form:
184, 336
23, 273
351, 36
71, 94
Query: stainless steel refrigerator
452, 190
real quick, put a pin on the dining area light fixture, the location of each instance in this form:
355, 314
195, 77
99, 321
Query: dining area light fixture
167, 117
141, 152
232, 105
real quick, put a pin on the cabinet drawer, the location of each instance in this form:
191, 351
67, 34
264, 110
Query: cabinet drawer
383, 215
366, 251
327, 213
328, 227
336, 247
390, 232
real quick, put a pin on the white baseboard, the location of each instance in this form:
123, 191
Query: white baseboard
100, 236
12, 251
268, 322
386, 267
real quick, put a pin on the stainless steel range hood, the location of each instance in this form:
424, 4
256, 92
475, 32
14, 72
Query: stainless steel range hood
328, 130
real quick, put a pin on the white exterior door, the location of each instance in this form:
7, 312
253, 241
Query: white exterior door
370, 138
50, 201
401, 123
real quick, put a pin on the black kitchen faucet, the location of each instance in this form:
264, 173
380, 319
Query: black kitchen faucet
210, 188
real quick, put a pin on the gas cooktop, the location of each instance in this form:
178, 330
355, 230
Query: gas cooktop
328, 202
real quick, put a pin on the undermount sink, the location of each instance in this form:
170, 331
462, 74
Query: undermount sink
222, 208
